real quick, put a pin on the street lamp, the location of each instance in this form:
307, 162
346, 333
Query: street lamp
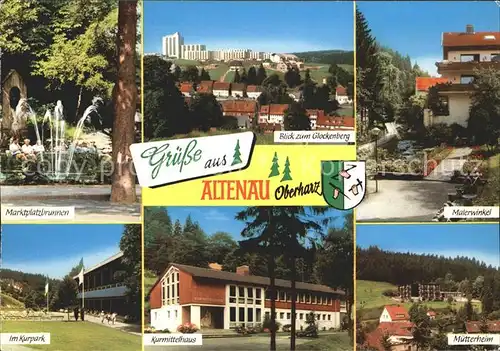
375, 132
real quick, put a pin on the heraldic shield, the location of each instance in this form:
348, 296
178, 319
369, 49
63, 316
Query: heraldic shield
343, 183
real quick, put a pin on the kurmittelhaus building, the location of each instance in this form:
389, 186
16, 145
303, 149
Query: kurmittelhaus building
215, 299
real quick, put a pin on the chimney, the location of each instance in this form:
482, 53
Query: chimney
469, 29
243, 270
215, 266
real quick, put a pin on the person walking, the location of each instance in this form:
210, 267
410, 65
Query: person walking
75, 311
82, 315
102, 316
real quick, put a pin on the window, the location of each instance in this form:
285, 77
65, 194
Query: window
282, 296
168, 314
288, 315
249, 314
258, 315
469, 58
330, 301
241, 314
315, 299
303, 298
268, 295
466, 79
343, 304
329, 317
324, 317
282, 315
318, 317
232, 294
308, 298
241, 295
301, 316
258, 296
288, 297
250, 296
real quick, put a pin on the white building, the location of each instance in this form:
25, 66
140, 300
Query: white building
172, 45
212, 298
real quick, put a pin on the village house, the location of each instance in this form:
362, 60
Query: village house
341, 96
244, 111
463, 53
313, 116
238, 90
394, 313
395, 325
206, 87
493, 327
216, 299
274, 113
340, 123
221, 89
235, 65
254, 91
186, 88
423, 84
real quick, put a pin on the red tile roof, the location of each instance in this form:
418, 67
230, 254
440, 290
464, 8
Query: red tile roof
431, 313
186, 87
475, 327
397, 329
424, 83
239, 106
455, 39
221, 86
206, 87
340, 90
334, 121
254, 89
311, 112
397, 313
237, 87
274, 109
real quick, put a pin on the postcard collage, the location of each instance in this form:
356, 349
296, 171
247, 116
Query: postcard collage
249, 175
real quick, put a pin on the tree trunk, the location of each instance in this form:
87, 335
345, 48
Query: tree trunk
272, 290
78, 103
123, 187
294, 304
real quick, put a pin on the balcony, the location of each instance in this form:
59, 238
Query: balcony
452, 88
105, 291
447, 66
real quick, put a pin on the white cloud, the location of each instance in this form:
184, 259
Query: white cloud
58, 267
428, 64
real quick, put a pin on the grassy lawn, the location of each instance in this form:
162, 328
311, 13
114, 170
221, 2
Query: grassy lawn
218, 72
184, 62
229, 76
73, 336
340, 341
10, 302
489, 195
370, 301
347, 111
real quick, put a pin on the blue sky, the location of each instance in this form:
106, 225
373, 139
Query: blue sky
415, 27
222, 219
259, 26
480, 241
54, 249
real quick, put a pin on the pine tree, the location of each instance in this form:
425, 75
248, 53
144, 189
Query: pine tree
261, 74
275, 167
286, 171
237, 154
204, 75
237, 78
244, 76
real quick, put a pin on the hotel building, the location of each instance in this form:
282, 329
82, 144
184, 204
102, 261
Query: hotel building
215, 299
463, 54
103, 291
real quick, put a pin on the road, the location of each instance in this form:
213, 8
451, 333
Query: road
403, 200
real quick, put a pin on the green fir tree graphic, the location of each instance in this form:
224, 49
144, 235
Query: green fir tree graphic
275, 167
237, 154
286, 171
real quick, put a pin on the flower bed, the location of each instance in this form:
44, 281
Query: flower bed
187, 328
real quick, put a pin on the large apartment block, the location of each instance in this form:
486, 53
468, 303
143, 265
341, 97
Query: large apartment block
463, 53
215, 299
423, 292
